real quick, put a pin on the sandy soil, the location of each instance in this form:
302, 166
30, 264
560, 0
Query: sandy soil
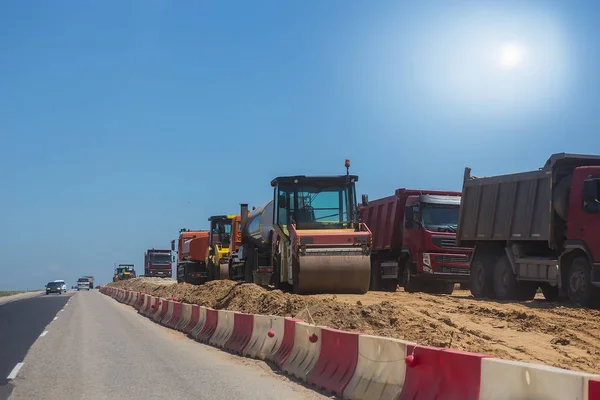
538, 331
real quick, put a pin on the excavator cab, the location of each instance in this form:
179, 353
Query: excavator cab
220, 240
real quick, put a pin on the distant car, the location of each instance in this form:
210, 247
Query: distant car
54, 287
63, 284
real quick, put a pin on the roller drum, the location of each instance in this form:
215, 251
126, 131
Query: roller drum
333, 271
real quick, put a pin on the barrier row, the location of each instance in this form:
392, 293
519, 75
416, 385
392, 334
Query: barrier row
358, 366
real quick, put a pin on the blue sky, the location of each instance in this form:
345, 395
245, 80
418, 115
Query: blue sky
121, 122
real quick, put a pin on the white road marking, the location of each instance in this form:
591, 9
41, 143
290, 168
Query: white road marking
43, 333
15, 371
55, 318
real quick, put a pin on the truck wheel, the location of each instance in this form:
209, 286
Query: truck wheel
550, 292
481, 277
375, 283
410, 285
447, 287
580, 288
505, 281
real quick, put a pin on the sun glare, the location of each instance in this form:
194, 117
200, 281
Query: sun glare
511, 55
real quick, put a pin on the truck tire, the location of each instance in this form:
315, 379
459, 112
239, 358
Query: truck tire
579, 284
551, 293
410, 285
481, 277
506, 285
389, 285
447, 287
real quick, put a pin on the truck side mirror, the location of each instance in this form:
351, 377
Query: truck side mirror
172, 245
365, 200
173, 259
590, 190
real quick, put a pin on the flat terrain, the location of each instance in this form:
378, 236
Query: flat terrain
539, 331
101, 349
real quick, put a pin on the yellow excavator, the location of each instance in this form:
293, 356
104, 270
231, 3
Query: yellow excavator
224, 238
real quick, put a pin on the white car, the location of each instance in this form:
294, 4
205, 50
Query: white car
63, 284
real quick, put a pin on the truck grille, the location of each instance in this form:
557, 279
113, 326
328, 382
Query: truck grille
453, 270
444, 242
452, 259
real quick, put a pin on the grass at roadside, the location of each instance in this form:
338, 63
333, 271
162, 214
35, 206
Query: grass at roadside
4, 293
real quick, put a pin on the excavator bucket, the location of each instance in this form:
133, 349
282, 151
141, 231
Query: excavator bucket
333, 271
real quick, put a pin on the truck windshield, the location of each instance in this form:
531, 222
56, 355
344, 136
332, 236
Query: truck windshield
160, 258
439, 218
316, 207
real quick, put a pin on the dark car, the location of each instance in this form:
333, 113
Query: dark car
54, 287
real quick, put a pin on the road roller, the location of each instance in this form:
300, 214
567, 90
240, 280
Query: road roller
307, 238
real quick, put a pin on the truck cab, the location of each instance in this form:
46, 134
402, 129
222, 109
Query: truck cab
157, 263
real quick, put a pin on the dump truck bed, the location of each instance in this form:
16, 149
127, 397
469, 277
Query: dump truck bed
506, 207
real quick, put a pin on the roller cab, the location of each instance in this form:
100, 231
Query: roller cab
308, 238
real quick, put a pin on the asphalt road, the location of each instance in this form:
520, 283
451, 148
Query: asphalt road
21, 323
101, 349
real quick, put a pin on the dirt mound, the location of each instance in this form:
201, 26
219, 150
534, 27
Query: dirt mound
538, 331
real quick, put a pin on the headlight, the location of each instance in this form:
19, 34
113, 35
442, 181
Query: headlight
426, 259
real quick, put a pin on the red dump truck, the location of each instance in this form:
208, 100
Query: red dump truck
157, 263
535, 229
414, 234
192, 248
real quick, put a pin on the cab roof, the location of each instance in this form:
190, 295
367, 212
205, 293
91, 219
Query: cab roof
303, 179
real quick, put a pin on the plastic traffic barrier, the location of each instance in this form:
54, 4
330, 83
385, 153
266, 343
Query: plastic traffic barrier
140, 301
209, 326
337, 360
267, 335
287, 344
434, 373
133, 298
162, 308
594, 389
503, 379
167, 316
306, 350
380, 369
196, 321
224, 329
186, 315
148, 305
175, 315
242, 332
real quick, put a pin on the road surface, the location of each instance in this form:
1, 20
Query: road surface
101, 349
21, 323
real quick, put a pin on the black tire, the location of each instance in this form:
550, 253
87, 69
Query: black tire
447, 287
551, 293
295, 276
276, 271
579, 284
410, 285
481, 277
505, 281
376, 281
249, 266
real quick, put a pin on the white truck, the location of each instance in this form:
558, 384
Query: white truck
83, 283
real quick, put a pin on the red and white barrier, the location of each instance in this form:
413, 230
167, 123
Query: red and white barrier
196, 320
337, 360
356, 366
380, 369
267, 335
224, 329
209, 325
186, 316
306, 350
175, 315
502, 379
242, 332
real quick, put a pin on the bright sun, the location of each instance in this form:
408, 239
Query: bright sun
511, 55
